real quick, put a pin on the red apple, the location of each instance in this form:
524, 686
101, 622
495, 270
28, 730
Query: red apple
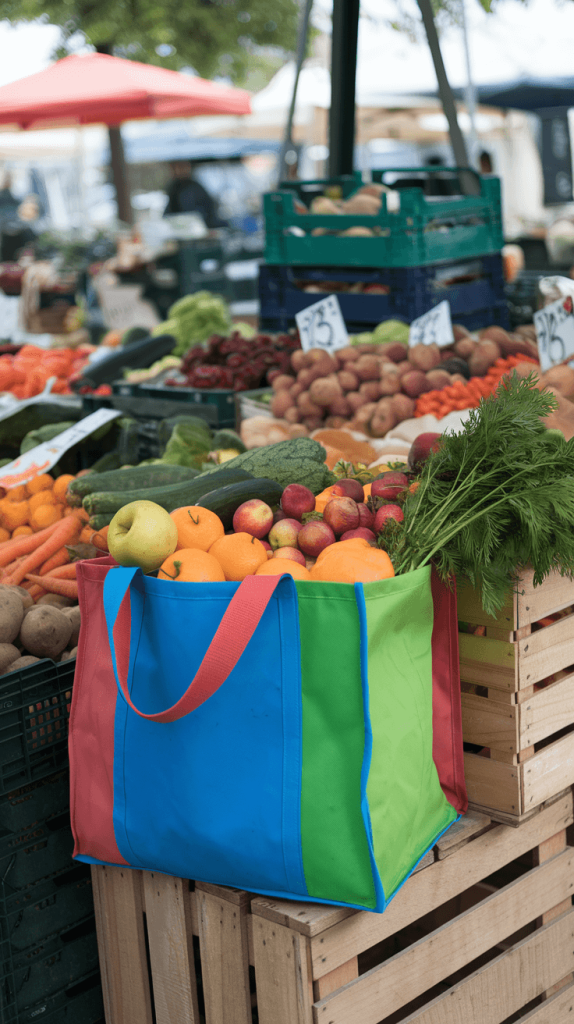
279, 515
386, 512
267, 545
389, 485
361, 531
314, 537
341, 514
284, 534
254, 517
296, 500
351, 489
292, 553
366, 517
421, 448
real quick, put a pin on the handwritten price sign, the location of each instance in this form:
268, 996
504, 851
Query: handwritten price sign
322, 326
433, 328
555, 332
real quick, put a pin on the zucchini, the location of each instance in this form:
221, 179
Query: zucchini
226, 500
185, 493
98, 522
128, 480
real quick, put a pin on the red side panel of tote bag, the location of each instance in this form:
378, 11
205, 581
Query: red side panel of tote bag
92, 717
447, 717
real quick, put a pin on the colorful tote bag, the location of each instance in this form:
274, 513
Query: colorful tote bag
292, 739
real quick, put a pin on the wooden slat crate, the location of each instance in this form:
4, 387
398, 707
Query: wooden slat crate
482, 932
518, 697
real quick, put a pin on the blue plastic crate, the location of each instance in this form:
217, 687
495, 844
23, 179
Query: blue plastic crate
474, 289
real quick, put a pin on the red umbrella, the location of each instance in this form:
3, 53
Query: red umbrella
101, 89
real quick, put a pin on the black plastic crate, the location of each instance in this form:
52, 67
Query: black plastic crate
216, 405
48, 907
474, 289
34, 802
36, 852
34, 712
80, 1003
148, 409
46, 969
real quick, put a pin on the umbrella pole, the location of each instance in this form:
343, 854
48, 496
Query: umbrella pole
119, 175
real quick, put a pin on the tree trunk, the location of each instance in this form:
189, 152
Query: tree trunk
468, 182
118, 162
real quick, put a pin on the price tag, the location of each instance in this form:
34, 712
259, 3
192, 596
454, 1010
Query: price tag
433, 328
41, 458
555, 332
322, 326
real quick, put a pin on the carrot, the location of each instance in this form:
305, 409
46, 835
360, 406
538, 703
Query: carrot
60, 558
35, 591
66, 532
64, 572
67, 588
12, 549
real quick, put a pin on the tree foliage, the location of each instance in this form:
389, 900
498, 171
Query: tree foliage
214, 37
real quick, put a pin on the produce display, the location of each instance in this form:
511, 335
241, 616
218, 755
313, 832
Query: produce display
366, 201
233, 361
26, 371
193, 319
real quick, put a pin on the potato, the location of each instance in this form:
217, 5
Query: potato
364, 415
57, 600
485, 354
20, 663
74, 615
293, 415
282, 382
368, 368
307, 407
368, 350
371, 389
424, 357
280, 403
350, 354
439, 379
11, 615
335, 422
324, 360
394, 351
8, 654
384, 418
340, 407
305, 377
46, 631
357, 232
313, 422
404, 367
348, 380
494, 333
457, 378
298, 430
403, 407
324, 391
299, 360
295, 390
23, 594
516, 345
362, 204
390, 383
355, 400
561, 378
415, 383
465, 347
460, 332
323, 205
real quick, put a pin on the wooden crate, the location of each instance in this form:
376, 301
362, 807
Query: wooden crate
482, 931
518, 698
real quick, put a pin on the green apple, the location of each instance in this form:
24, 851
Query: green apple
142, 533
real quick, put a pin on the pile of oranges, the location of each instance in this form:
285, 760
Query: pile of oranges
31, 507
26, 373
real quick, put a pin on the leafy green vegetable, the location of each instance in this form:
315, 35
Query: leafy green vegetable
187, 445
300, 461
493, 499
197, 317
391, 330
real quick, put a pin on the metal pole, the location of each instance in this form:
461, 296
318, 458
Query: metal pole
343, 75
301, 45
470, 92
468, 182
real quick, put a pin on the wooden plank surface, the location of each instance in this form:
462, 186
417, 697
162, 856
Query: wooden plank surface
283, 974
534, 603
558, 1010
469, 609
121, 943
471, 825
494, 992
224, 947
546, 712
489, 724
409, 974
548, 772
546, 651
428, 890
170, 939
493, 784
487, 662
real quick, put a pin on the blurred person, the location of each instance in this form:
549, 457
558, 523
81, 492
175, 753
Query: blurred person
8, 202
186, 195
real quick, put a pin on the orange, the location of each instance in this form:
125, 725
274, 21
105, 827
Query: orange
334, 455
43, 482
275, 566
5, 534
17, 493
20, 531
44, 516
61, 486
239, 555
340, 546
41, 498
14, 513
353, 566
322, 498
196, 527
192, 565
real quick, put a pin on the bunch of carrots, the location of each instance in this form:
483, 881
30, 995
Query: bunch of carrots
38, 553
27, 373
467, 395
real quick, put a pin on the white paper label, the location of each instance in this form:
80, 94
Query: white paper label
433, 328
41, 458
322, 326
9, 314
555, 332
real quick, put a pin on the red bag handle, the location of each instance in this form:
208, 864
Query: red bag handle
234, 632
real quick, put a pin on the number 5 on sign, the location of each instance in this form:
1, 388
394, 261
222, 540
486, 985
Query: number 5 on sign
555, 332
322, 326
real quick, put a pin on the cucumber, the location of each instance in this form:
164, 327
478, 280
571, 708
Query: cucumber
184, 493
108, 462
226, 500
98, 522
128, 480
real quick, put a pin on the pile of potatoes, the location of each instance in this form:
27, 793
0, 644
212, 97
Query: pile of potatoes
29, 632
367, 201
371, 388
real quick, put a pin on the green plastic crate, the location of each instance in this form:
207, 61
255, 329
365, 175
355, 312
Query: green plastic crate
425, 230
